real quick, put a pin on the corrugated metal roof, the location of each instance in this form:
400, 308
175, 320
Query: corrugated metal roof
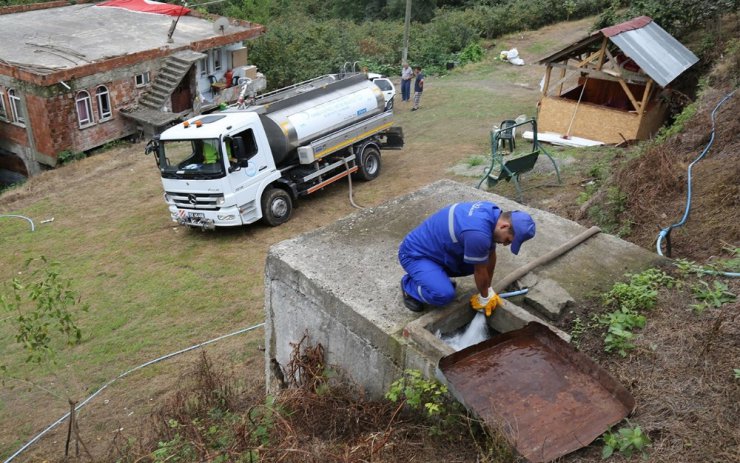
661, 56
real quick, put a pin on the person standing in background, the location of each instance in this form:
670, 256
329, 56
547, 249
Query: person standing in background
418, 87
406, 74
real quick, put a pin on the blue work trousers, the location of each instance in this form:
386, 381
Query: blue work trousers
426, 280
405, 90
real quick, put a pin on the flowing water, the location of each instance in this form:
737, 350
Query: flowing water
474, 332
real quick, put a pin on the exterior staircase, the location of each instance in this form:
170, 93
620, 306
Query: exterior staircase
168, 78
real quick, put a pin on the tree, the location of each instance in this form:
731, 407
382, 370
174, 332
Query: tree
42, 306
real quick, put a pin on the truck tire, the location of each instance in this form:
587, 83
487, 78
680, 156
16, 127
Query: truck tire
369, 165
277, 206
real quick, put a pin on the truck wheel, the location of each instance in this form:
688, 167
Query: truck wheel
369, 167
276, 206
389, 105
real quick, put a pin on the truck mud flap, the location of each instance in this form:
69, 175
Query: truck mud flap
392, 139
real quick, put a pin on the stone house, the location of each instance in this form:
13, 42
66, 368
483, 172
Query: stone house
75, 76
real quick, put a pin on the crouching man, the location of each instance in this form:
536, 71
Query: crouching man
459, 240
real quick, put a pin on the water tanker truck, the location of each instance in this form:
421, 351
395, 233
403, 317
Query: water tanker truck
253, 161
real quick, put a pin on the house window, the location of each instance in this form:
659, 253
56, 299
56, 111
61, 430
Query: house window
15, 106
84, 108
142, 79
217, 65
3, 111
202, 67
103, 97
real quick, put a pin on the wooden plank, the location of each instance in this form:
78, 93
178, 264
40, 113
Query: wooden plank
592, 121
644, 102
602, 54
602, 74
627, 90
561, 81
548, 71
590, 58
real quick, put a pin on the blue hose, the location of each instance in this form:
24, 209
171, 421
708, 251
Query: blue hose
666, 232
514, 293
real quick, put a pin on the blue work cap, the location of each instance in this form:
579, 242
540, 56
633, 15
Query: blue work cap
524, 229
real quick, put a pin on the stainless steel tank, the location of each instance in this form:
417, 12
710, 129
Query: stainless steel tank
298, 115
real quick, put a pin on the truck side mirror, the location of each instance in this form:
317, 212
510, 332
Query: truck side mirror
152, 146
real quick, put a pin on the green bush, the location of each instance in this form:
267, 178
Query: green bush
67, 156
305, 39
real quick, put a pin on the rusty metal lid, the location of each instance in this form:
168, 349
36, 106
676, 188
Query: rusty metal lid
548, 398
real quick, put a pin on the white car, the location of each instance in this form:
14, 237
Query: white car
386, 86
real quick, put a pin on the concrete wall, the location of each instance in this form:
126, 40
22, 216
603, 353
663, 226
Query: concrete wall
341, 284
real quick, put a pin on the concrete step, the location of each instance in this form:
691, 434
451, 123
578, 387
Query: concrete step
180, 66
174, 69
151, 98
147, 104
170, 75
161, 90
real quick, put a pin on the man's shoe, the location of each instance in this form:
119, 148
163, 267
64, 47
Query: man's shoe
411, 303
414, 109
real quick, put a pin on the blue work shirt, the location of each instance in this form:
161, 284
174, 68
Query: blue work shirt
457, 237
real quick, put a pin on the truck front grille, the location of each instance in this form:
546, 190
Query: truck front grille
196, 201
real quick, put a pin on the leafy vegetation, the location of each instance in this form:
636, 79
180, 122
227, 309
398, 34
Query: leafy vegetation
67, 156
419, 393
41, 302
675, 16
306, 38
679, 122
576, 331
626, 441
639, 294
711, 296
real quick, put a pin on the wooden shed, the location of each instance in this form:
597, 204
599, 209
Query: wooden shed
607, 86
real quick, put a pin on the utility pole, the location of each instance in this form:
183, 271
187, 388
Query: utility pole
407, 23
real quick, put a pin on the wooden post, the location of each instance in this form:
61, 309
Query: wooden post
548, 70
562, 80
644, 103
602, 54
646, 95
627, 90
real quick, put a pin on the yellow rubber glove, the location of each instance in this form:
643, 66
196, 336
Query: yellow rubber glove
486, 304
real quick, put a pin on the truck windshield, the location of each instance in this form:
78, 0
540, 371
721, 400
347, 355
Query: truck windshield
191, 159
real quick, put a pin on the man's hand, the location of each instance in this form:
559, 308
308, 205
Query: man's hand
486, 304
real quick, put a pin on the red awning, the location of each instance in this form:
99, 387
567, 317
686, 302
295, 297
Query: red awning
147, 6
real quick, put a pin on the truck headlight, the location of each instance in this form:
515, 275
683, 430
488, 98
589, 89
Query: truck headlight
167, 198
220, 201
